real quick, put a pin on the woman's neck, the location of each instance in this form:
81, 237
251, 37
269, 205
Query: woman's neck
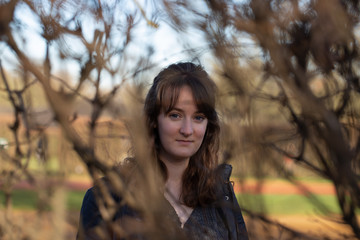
175, 172
173, 188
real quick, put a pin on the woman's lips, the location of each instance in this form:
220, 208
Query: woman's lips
184, 141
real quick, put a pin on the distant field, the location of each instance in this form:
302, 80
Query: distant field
270, 204
275, 196
290, 204
293, 210
28, 199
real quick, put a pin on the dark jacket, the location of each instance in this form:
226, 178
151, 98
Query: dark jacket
227, 206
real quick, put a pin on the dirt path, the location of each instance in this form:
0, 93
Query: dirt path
268, 187
284, 187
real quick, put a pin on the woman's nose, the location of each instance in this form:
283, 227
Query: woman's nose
186, 127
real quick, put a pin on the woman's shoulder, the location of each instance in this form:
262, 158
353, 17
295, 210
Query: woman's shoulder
223, 171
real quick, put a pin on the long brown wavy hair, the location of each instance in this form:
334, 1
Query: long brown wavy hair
199, 181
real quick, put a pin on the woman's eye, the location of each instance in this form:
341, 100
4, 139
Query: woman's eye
199, 118
174, 115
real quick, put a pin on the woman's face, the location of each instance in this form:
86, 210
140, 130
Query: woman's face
182, 130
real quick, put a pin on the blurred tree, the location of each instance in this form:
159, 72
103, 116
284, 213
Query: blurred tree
39, 40
307, 54
288, 72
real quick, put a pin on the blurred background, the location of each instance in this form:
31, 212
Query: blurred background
74, 75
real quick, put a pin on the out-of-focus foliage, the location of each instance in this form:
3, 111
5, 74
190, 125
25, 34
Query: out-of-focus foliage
288, 77
65, 69
302, 103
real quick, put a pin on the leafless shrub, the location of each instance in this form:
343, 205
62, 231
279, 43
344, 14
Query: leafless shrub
94, 37
289, 87
306, 54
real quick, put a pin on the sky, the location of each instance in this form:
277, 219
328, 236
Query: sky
167, 46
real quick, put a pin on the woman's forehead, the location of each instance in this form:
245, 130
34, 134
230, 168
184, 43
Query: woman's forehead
172, 96
186, 100
169, 95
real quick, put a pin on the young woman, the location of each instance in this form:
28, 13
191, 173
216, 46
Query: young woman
184, 126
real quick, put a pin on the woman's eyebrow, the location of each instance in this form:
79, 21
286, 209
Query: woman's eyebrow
176, 109
180, 110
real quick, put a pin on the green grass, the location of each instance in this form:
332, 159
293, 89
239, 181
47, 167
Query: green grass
28, 200
289, 204
21, 199
269, 204
75, 199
